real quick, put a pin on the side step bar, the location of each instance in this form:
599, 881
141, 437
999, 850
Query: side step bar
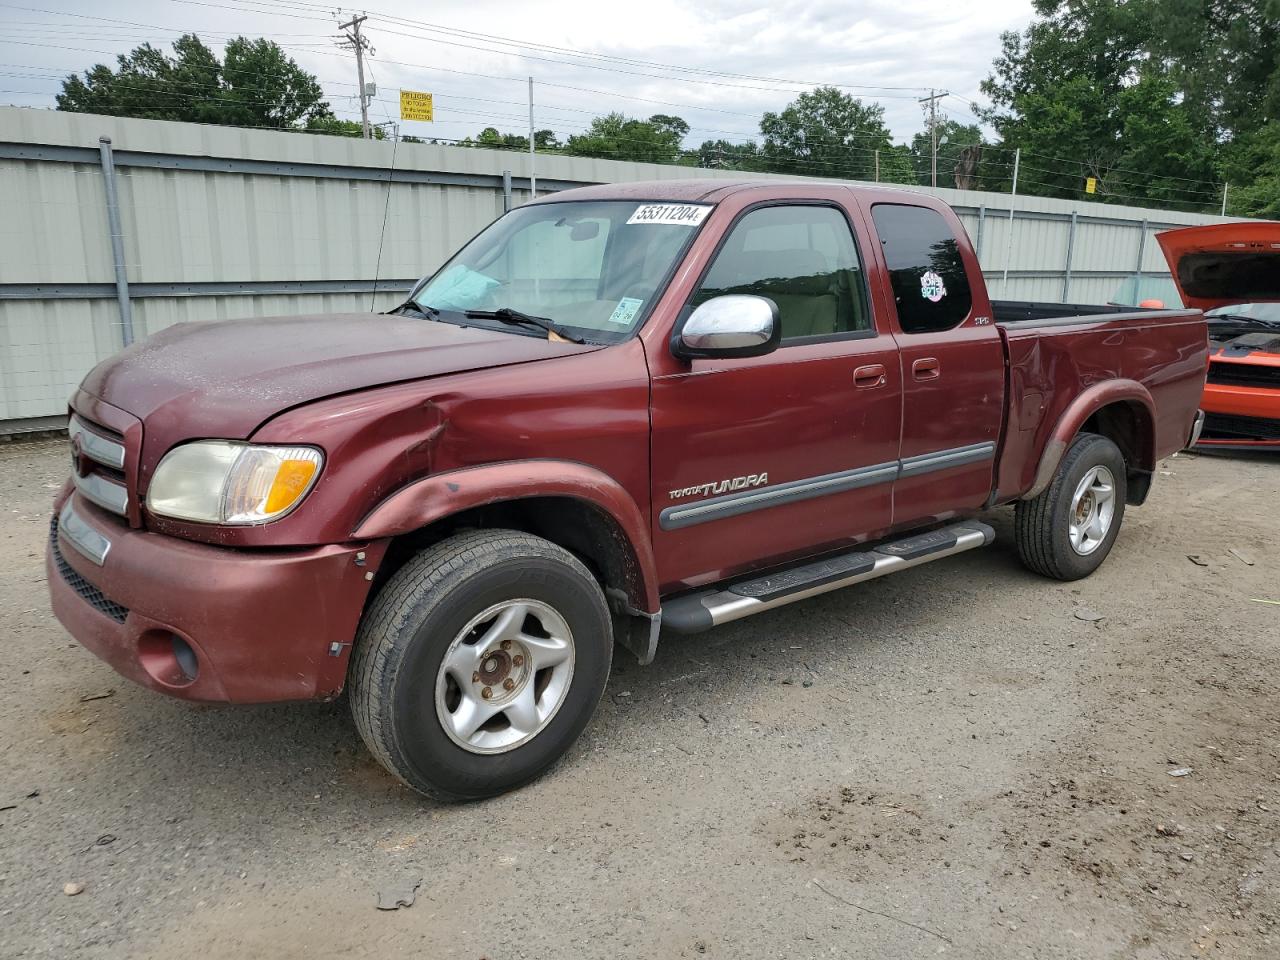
693, 613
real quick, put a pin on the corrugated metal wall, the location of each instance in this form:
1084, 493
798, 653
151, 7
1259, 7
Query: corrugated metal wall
221, 222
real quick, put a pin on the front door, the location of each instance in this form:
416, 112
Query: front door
768, 458
952, 364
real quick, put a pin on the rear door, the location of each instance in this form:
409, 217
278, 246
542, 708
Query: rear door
761, 459
952, 362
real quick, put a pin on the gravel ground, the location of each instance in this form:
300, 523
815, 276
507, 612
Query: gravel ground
956, 760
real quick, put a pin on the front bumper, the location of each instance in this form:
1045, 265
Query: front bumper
250, 626
1241, 418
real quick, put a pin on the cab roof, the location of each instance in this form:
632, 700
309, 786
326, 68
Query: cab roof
703, 190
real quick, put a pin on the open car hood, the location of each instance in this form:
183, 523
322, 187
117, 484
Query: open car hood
1225, 263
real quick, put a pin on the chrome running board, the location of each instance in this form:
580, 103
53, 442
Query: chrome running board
693, 613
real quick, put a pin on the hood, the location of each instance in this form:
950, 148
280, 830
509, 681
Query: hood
224, 379
1225, 263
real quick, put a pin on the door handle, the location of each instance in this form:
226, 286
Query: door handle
872, 375
926, 368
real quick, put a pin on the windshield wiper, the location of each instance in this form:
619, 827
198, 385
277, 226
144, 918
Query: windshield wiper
507, 315
1241, 319
411, 305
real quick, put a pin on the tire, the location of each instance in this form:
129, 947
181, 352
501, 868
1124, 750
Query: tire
408, 701
1043, 526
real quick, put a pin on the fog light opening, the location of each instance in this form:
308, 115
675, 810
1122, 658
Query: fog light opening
171, 660
188, 663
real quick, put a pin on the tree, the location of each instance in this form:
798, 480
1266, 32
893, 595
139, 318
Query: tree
1225, 60
268, 88
825, 133
675, 126
492, 139
727, 155
256, 85
616, 137
896, 165
1256, 164
1084, 93
332, 126
957, 158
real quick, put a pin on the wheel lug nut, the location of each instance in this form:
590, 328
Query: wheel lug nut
506, 644
487, 693
508, 684
475, 677
518, 660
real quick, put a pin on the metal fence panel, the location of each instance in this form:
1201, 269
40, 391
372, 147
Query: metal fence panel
221, 222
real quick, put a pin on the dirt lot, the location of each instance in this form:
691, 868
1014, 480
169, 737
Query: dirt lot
958, 760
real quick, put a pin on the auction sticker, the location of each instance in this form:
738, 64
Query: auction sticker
677, 214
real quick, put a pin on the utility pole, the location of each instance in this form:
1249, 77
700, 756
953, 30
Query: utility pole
1225, 188
877, 166
1008, 247
359, 43
533, 176
932, 101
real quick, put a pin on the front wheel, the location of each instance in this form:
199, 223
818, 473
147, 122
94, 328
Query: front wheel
1068, 530
479, 663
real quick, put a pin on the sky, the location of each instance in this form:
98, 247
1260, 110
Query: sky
719, 64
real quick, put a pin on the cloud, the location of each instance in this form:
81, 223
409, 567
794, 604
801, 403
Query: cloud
478, 81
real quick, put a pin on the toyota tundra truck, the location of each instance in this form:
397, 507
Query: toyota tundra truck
617, 409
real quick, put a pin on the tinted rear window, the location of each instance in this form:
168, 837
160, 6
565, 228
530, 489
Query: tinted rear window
929, 281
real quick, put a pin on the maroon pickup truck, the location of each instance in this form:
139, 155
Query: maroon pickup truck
616, 409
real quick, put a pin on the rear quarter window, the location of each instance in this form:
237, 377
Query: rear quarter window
930, 285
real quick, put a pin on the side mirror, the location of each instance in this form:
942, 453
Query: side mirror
735, 325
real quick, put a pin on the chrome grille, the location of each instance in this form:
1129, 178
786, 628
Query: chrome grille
97, 460
97, 444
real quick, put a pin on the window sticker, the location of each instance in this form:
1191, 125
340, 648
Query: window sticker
932, 287
460, 288
677, 214
625, 311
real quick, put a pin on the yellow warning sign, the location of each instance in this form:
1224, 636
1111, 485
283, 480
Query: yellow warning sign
1090, 183
415, 105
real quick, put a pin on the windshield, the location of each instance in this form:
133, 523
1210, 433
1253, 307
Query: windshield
1135, 291
594, 268
1264, 312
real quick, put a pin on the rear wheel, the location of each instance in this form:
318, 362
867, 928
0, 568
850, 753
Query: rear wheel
480, 663
1068, 530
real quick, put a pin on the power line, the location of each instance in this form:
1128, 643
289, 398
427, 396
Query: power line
581, 54
309, 11
701, 71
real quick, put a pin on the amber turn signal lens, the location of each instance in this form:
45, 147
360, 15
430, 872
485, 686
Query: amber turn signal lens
291, 482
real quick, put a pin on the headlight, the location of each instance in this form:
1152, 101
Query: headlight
218, 481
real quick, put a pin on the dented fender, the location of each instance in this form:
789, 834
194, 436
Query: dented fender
1073, 418
436, 497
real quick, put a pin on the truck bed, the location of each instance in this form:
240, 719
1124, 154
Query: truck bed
1036, 311
1157, 358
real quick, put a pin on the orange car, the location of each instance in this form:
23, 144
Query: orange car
1232, 272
